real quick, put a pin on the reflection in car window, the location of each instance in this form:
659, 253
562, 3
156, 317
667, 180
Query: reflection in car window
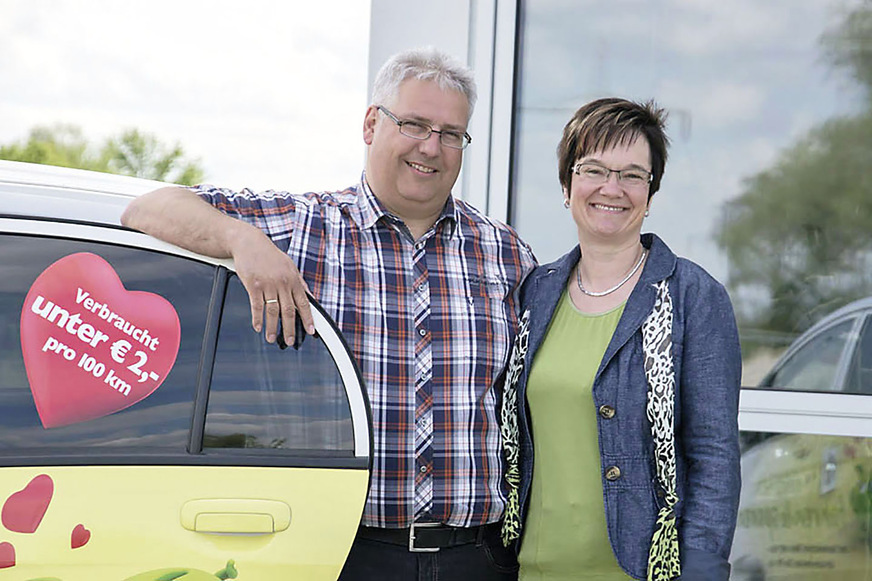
263, 396
160, 421
859, 378
814, 366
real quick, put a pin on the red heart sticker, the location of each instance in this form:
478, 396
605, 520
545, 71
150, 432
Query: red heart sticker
91, 347
79, 537
23, 510
7, 555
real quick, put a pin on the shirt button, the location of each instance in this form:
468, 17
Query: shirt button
613, 473
422, 332
423, 469
607, 411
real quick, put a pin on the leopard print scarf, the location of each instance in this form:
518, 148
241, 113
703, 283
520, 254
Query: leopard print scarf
663, 558
663, 561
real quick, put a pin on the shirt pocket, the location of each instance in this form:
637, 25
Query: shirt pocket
487, 287
492, 322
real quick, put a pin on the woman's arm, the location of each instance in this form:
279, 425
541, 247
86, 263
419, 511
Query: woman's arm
709, 438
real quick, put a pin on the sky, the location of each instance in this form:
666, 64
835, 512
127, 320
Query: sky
266, 94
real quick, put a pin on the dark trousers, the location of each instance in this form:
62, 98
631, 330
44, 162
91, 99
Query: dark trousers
481, 559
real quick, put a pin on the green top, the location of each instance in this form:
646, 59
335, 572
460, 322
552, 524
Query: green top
565, 534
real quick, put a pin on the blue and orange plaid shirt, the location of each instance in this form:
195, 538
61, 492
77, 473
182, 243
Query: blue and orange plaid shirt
430, 321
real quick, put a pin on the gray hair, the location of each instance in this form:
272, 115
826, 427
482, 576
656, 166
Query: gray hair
423, 64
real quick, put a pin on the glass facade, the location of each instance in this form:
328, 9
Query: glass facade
768, 186
769, 180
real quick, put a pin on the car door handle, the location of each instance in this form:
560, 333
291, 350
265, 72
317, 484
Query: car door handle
235, 516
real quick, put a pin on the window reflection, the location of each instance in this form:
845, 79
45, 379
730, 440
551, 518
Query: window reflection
859, 378
815, 365
266, 397
806, 508
771, 123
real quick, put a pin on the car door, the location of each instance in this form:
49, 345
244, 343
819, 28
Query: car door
146, 432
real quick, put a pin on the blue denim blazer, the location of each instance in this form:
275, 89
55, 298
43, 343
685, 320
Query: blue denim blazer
708, 371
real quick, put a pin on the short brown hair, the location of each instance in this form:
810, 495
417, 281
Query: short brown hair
605, 123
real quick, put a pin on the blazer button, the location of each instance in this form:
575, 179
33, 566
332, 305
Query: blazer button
607, 411
613, 473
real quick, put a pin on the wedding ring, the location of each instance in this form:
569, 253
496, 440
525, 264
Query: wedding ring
271, 301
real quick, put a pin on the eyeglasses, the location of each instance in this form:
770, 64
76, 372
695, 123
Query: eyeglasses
595, 173
419, 130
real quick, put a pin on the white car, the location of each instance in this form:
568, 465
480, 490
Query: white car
146, 432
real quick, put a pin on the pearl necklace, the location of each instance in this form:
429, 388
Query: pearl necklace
614, 288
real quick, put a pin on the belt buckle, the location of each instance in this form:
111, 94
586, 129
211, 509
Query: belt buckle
422, 525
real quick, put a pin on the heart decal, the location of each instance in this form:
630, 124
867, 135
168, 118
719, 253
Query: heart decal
79, 537
91, 347
7, 555
23, 510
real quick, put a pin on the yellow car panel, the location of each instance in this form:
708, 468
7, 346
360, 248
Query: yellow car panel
317, 513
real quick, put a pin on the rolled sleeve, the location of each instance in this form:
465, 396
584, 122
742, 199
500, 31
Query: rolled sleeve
271, 211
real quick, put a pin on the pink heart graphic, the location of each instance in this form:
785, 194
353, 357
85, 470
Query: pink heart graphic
7, 555
91, 347
79, 537
23, 510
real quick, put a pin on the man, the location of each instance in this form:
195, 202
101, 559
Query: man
423, 287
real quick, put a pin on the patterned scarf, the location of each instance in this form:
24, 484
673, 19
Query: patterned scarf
663, 558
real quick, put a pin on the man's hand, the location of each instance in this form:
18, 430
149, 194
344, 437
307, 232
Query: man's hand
276, 289
271, 278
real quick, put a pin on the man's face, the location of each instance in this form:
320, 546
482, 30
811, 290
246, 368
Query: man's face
413, 177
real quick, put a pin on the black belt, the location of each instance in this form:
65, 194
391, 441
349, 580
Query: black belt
427, 537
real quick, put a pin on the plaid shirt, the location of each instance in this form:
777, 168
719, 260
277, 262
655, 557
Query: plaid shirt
430, 322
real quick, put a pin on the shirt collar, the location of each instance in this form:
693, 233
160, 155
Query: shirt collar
370, 210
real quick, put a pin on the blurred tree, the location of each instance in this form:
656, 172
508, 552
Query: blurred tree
142, 155
62, 145
849, 46
799, 234
132, 153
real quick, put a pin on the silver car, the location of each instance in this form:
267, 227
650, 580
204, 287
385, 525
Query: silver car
834, 355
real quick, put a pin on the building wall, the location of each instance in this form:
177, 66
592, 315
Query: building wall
480, 33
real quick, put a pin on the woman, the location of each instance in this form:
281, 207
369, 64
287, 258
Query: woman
621, 401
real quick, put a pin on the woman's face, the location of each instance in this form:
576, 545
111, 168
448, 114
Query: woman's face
611, 211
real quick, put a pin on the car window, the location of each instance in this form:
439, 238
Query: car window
162, 420
815, 365
263, 396
859, 377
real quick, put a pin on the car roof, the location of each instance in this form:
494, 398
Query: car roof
853, 308
863, 304
61, 193
62, 196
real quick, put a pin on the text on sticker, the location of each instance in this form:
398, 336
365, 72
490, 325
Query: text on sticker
86, 333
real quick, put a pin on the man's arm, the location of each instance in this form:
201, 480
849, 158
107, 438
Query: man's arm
178, 216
